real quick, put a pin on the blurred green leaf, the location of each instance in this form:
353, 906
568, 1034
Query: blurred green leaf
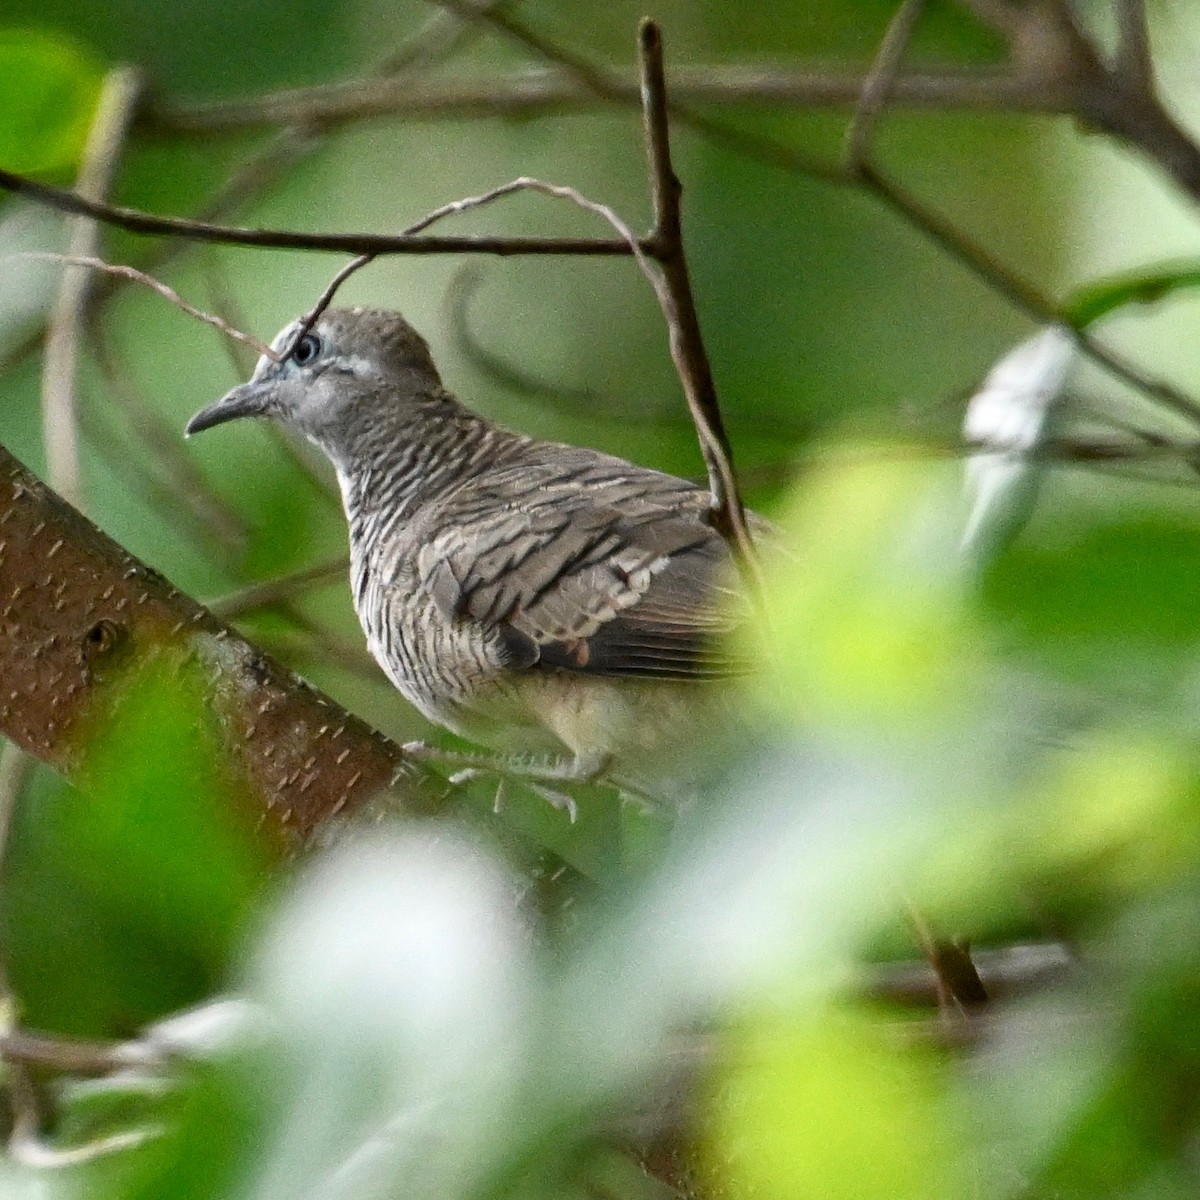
1144, 286
835, 1105
1097, 825
123, 897
866, 618
1123, 585
48, 92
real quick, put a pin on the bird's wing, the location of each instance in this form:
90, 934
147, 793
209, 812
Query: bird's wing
587, 565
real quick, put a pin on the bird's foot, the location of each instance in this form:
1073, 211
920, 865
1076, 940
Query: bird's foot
534, 774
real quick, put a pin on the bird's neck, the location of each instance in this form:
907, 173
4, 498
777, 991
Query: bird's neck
399, 464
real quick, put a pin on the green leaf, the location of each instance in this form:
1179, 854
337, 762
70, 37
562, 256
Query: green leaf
1124, 584
867, 617
835, 1106
1098, 299
48, 93
124, 897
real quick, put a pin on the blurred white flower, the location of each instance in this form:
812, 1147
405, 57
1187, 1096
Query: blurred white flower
1009, 419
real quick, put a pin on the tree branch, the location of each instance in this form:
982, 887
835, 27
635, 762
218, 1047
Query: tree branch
880, 82
679, 309
555, 91
64, 332
377, 244
69, 595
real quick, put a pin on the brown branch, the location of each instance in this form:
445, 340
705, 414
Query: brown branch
60, 404
78, 613
469, 204
168, 293
558, 90
378, 244
72, 1056
679, 309
1004, 973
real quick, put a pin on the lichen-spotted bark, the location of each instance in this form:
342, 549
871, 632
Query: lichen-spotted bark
78, 614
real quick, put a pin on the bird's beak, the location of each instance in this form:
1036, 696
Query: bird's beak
246, 400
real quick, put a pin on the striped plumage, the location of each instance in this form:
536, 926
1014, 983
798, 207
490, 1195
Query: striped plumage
504, 583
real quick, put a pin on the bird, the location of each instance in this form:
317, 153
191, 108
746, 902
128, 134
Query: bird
521, 593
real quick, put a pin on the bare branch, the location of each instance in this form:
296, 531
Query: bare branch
607, 85
60, 406
679, 309
1134, 62
155, 285
135, 221
1017, 291
880, 82
80, 613
523, 184
73, 1056
557, 90
273, 591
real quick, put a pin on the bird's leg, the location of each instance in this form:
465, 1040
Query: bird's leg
583, 768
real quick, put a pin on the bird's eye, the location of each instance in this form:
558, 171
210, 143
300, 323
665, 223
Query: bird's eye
307, 348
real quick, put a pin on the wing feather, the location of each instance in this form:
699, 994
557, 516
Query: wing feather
590, 566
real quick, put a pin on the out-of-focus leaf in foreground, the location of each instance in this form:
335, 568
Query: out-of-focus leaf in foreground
1147, 285
834, 1104
48, 92
866, 622
124, 896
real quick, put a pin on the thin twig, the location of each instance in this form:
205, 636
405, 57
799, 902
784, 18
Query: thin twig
1016, 290
679, 309
29, 1150
73, 1056
60, 404
607, 85
525, 183
581, 401
880, 82
141, 479
135, 221
272, 591
155, 285
1153, 133
436, 40
226, 306
188, 486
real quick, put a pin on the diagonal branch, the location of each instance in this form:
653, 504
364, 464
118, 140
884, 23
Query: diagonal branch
558, 90
880, 82
1134, 62
78, 613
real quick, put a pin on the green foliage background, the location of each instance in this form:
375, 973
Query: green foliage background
1008, 745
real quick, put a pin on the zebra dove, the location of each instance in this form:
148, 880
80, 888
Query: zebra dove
506, 584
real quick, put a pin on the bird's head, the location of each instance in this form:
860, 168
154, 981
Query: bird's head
352, 369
